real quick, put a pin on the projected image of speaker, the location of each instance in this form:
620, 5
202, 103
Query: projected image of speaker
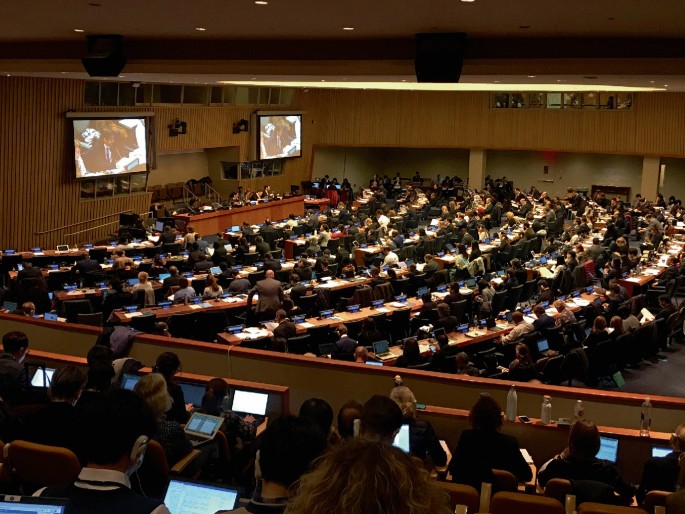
105, 56
439, 57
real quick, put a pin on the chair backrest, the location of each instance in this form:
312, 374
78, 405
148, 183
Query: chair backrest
461, 494
94, 319
153, 474
383, 291
519, 503
256, 277
498, 302
299, 344
654, 499
558, 488
504, 480
601, 508
458, 309
513, 297
72, 308
362, 296
144, 323
42, 465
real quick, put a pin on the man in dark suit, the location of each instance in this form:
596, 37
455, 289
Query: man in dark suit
85, 265
544, 321
661, 473
220, 253
167, 236
29, 271
203, 265
345, 344
270, 263
14, 379
170, 281
443, 359
297, 290
261, 246
285, 328
270, 294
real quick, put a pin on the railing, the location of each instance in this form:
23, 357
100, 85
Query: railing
212, 194
89, 229
190, 200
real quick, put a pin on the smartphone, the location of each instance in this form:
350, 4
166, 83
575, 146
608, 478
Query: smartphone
420, 406
524, 419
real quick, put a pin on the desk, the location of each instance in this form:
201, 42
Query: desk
124, 317
316, 203
636, 284
361, 253
217, 221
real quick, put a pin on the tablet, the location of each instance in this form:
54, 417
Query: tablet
189, 497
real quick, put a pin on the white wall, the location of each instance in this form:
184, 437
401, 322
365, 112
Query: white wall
359, 164
179, 166
673, 178
526, 168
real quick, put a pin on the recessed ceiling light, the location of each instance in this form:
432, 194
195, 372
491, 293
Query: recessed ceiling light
79, 30
261, 2
651, 82
200, 29
531, 76
495, 81
467, 0
348, 28
665, 85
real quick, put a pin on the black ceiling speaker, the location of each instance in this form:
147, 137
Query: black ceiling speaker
439, 57
105, 56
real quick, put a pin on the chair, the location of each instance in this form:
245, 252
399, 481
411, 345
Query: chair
354, 328
528, 291
461, 494
519, 503
321, 335
654, 499
39, 465
601, 508
57, 279
458, 309
504, 480
558, 488
97, 254
263, 343
256, 277
94, 319
144, 323
250, 258
383, 291
154, 473
198, 284
498, 302
362, 296
171, 248
399, 324
307, 304
512, 298
183, 325
299, 344
72, 308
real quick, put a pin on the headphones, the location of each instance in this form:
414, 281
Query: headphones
138, 452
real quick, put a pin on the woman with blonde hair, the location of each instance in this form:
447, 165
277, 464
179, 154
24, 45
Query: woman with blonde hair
144, 285
212, 289
423, 441
152, 388
362, 476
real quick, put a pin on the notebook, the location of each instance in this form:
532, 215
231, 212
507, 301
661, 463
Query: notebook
381, 349
608, 449
401, 440
185, 496
202, 428
30, 504
250, 403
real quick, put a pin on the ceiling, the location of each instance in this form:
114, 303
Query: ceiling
529, 42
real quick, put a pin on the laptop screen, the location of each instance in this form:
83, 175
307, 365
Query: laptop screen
250, 402
381, 347
193, 393
30, 505
185, 497
129, 381
216, 270
543, 345
401, 440
42, 378
608, 449
660, 451
204, 424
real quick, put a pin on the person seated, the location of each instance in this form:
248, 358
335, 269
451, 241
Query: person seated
14, 378
27, 309
286, 328
543, 321
58, 424
361, 355
565, 316
261, 246
186, 292
270, 263
212, 288
483, 447
126, 423
545, 294
345, 345
153, 389
666, 308
431, 265
381, 420
521, 327
442, 359
411, 355
661, 473
598, 334
579, 462
454, 294
445, 319
463, 365
144, 285
203, 264
238, 285
423, 441
321, 413
522, 368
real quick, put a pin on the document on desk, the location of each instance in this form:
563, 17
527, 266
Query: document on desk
634, 279
195, 306
382, 309
305, 324
133, 314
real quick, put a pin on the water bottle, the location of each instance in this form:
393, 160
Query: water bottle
645, 418
512, 404
546, 414
578, 410
225, 404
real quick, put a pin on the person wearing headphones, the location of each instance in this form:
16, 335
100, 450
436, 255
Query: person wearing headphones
661, 473
115, 434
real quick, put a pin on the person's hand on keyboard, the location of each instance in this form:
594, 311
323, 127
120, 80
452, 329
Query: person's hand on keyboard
249, 419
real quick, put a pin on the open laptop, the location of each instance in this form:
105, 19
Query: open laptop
381, 349
608, 449
250, 403
202, 428
184, 496
543, 347
30, 504
129, 381
401, 440
193, 393
42, 378
661, 451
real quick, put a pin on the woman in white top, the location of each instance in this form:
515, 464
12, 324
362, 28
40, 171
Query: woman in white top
213, 289
146, 286
324, 236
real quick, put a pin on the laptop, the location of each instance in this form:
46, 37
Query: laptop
30, 504
42, 378
381, 349
401, 440
543, 347
202, 428
608, 449
129, 381
62, 248
184, 496
660, 451
193, 393
250, 403
10, 307
215, 270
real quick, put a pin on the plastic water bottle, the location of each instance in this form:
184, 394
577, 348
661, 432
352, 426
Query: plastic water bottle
546, 414
512, 404
225, 404
645, 418
578, 410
